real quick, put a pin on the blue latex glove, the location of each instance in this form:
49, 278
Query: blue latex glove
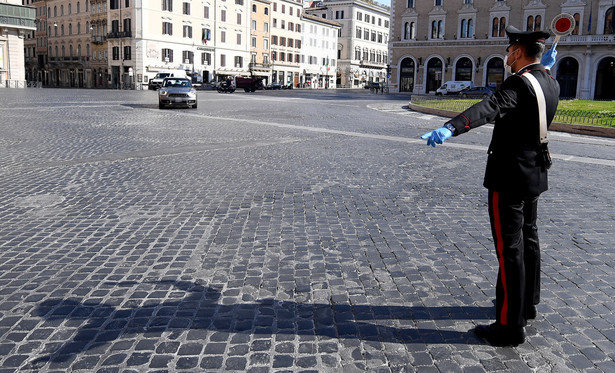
437, 136
548, 58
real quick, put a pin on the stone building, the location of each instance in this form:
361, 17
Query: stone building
362, 40
16, 21
434, 41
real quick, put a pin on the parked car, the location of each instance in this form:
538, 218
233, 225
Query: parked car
274, 86
474, 92
177, 92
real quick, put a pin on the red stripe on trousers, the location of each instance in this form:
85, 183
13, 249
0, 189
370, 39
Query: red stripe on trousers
500, 249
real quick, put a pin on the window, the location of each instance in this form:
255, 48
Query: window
205, 35
205, 58
498, 27
265, 44
274, 40
266, 27
206, 12
253, 42
115, 26
239, 18
115, 53
253, 24
167, 5
467, 28
70, 28
127, 25
438, 3
267, 11
187, 57
127, 53
223, 15
359, 16
167, 55
223, 60
239, 2
188, 31
282, 24
282, 56
290, 43
339, 14
577, 19
238, 61
410, 4
114, 4
533, 23
282, 41
253, 8
238, 39
223, 36
367, 18
609, 23
274, 55
167, 28
186, 8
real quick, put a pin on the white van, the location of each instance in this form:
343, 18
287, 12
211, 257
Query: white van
156, 82
453, 87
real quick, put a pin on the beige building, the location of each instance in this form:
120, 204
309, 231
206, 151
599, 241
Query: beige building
16, 21
286, 41
99, 59
434, 41
260, 39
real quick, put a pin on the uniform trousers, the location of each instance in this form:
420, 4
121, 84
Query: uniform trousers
513, 225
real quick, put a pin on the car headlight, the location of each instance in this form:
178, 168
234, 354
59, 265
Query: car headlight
163, 92
192, 93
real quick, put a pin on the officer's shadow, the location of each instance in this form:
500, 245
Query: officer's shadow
204, 308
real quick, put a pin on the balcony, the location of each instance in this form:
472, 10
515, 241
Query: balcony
119, 34
372, 64
17, 16
98, 40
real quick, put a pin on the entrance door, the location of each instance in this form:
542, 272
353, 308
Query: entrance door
567, 75
463, 69
434, 75
406, 75
495, 72
605, 80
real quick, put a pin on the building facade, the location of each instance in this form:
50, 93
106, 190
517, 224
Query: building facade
260, 39
16, 21
362, 41
434, 41
286, 41
318, 52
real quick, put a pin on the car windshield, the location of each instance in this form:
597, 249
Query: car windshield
177, 83
162, 75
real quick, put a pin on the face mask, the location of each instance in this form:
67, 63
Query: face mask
508, 67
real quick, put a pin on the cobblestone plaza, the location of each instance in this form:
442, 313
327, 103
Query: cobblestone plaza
280, 231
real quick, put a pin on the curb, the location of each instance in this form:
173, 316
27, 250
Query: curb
559, 127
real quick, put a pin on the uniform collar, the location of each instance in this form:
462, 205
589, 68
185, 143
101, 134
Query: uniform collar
529, 67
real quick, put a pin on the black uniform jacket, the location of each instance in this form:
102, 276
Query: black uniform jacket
512, 164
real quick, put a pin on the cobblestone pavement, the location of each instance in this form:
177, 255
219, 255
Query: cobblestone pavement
286, 231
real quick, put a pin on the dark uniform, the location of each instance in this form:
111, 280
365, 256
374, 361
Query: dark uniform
515, 177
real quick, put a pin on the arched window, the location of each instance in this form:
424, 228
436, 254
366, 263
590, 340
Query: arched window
79, 50
609, 25
78, 27
464, 29
470, 28
502, 26
78, 7
538, 23
70, 28
62, 30
529, 26
407, 31
412, 31
55, 11
440, 29
495, 27
61, 10
434, 29
577, 20
70, 8
87, 49
63, 52
56, 51
70, 50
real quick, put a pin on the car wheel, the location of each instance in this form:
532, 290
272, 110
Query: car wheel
160, 105
194, 106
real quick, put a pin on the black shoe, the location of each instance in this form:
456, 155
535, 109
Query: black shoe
501, 336
530, 312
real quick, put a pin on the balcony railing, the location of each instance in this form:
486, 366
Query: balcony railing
119, 34
98, 39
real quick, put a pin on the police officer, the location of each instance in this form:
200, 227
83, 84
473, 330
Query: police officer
516, 174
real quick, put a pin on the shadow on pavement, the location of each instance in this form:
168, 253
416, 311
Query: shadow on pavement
99, 324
